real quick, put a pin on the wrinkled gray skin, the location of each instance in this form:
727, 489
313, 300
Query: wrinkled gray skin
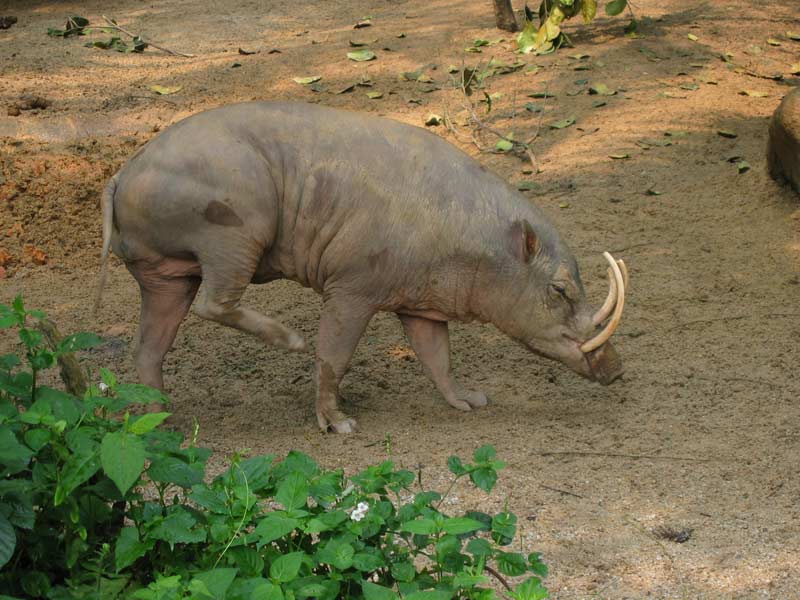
373, 214
783, 147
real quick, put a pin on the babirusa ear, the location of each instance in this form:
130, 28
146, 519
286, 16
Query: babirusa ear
525, 242
531, 242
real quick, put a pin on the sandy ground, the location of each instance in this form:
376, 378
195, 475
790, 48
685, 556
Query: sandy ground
703, 433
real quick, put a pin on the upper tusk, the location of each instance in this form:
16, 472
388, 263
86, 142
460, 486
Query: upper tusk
619, 304
605, 310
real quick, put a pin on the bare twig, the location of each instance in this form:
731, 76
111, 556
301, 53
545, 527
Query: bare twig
560, 491
113, 25
499, 577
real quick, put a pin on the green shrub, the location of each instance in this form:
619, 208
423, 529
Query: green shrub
97, 507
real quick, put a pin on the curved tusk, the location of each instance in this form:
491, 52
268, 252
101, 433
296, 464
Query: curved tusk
609, 329
605, 310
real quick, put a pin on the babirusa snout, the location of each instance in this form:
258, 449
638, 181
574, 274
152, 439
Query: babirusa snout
614, 304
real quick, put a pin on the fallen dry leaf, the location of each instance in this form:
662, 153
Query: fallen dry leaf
5, 257
401, 353
35, 254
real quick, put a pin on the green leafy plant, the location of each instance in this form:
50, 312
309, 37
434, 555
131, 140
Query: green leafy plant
77, 25
547, 36
95, 506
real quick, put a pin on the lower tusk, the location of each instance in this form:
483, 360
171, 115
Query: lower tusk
619, 304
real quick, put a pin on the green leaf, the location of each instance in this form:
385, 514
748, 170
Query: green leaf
169, 469
479, 547
337, 553
9, 317
692, 37
536, 565
420, 526
742, 166
403, 571
368, 562
429, 595
293, 491
793, 35
128, 548
544, 94
588, 10
484, 453
373, 591
504, 527
31, 338
61, 405
257, 470
108, 378
266, 591
361, 55
13, 455
248, 559
177, 528
316, 587
9, 361
601, 89
140, 394
166, 90
456, 466
484, 478
217, 581
460, 525
526, 40
528, 186
530, 589
122, 455
307, 80
8, 540
563, 123
274, 526
79, 341
148, 422
463, 579
326, 521
36, 439
615, 7
79, 467
503, 145
286, 567
512, 564
212, 500
374, 95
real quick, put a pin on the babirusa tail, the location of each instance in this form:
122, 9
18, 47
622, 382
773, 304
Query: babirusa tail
107, 204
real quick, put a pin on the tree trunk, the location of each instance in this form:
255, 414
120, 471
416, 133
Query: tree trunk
71, 373
504, 15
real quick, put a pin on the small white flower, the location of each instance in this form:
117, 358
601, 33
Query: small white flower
359, 512
102, 387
